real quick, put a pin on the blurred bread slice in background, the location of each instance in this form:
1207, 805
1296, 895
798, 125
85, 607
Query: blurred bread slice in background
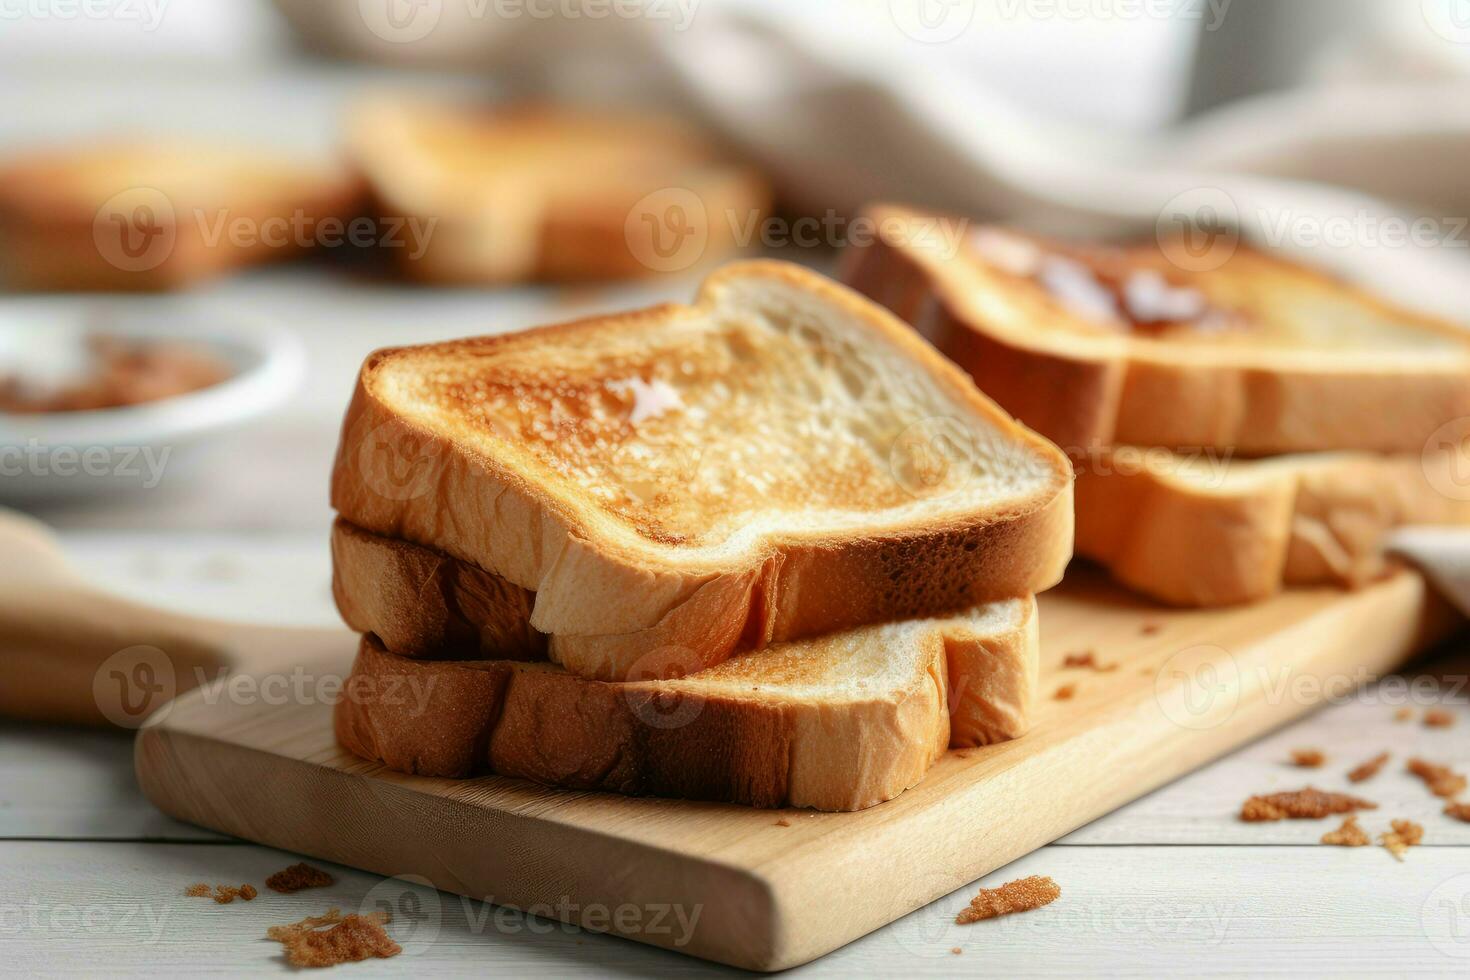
531, 192
154, 216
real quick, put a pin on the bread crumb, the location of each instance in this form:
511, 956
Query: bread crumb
1021, 895
248, 892
1348, 835
1460, 811
1403, 714
1405, 834
956, 950
222, 894
1065, 692
1307, 758
201, 890
297, 877
1441, 780
1302, 804
1438, 718
1149, 629
351, 938
783, 822
1087, 659
1369, 769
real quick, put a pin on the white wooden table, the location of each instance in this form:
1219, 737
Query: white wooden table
94, 876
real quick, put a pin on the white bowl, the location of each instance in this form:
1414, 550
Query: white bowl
60, 455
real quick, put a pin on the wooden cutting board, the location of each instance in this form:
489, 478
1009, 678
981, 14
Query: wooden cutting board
772, 889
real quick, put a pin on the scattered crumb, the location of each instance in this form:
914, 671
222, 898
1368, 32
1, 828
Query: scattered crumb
783, 822
1369, 769
349, 939
962, 755
1403, 714
297, 877
1302, 804
201, 890
1441, 780
1438, 718
225, 894
1149, 629
1348, 835
956, 950
1065, 692
1460, 811
1088, 659
1307, 758
1021, 895
1405, 834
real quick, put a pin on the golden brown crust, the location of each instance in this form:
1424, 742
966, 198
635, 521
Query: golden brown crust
537, 722
422, 599
57, 235
608, 597
1212, 532
1094, 393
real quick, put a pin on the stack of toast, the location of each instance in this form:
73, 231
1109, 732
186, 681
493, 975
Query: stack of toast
768, 548
1239, 423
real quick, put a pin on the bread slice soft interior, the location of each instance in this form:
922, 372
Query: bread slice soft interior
1208, 530
842, 722
781, 460
1097, 346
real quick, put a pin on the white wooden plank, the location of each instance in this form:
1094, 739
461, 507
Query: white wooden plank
118, 909
70, 783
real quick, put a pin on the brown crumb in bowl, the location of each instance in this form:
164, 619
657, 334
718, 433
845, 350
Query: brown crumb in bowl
297, 877
1404, 835
1348, 835
1438, 718
1441, 780
330, 939
119, 372
1021, 895
1308, 758
1367, 770
1302, 804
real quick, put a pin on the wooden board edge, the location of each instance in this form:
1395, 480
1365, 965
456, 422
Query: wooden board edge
548, 867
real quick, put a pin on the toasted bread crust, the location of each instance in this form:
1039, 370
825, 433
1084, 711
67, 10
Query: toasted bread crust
1194, 540
1090, 394
49, 230
537, 722
433, 606
609, 598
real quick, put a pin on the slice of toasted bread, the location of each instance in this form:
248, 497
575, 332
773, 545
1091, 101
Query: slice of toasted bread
1095, 347
781, 460
422, 604
837, 723
1204, 530
534, 192
161, 216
